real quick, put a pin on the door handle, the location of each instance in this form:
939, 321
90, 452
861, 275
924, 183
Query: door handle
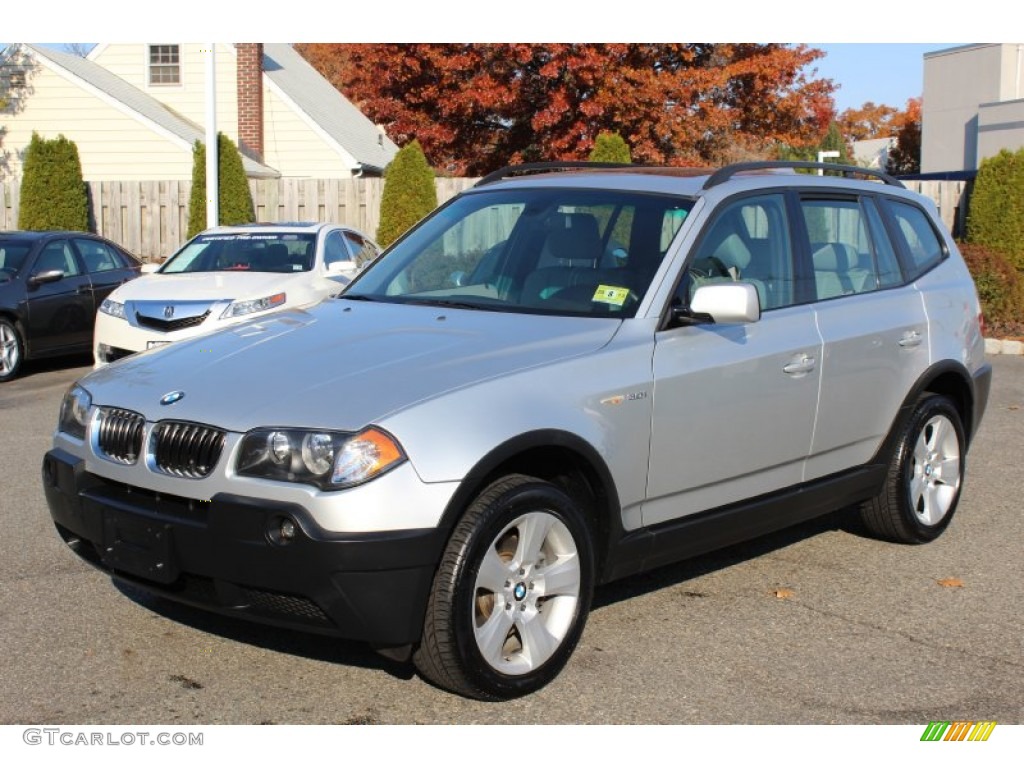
910, 339
800, 365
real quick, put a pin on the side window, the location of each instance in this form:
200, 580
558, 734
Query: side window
919, 239
97, 256
363, 251
889, 274
57, 255
748, 240
334, 249
842, 252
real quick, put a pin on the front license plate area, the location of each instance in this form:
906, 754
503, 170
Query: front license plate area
139, 547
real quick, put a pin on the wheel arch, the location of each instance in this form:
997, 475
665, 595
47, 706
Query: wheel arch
947, 378
558, 457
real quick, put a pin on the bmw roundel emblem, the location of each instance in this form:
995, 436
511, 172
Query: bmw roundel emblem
172, 397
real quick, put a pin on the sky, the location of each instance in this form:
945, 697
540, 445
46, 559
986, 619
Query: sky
875, 51
885, 73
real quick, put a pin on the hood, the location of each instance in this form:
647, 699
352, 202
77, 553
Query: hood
341, 365
206, 286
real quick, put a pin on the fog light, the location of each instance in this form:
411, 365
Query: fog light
287, 530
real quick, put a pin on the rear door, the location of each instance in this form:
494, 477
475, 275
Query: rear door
873, 325
106, 266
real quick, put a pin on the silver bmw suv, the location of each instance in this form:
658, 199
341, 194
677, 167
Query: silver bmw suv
566, 375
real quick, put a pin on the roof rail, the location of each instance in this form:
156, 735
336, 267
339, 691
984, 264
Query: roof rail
726, 173
527, 168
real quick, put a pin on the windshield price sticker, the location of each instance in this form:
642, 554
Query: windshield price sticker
609, 294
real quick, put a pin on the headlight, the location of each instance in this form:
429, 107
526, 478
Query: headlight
74, 412
328, 460
237, 308
113, 308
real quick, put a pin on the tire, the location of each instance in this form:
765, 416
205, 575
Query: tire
12, 350
511, 595
925, 475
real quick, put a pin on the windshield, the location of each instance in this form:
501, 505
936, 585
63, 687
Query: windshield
12, 256
554, 251
270, 252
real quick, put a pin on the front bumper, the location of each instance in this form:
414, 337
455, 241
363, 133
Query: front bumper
227, 555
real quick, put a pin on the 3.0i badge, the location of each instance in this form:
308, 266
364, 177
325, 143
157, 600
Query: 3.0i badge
172, 397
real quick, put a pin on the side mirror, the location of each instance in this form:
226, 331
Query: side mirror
149, 268
46, 276
724, 303
336, 267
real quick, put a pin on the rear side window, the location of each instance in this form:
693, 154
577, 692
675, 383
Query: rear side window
917, 236
849, 251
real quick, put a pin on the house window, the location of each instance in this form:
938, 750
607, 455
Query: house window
165, 65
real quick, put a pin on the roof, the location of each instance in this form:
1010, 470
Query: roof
127, 95
325, 105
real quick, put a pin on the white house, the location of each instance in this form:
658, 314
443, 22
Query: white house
135, 110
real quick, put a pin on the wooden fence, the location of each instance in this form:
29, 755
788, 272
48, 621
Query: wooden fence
150, 218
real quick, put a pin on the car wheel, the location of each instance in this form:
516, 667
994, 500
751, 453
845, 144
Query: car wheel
925, 475
511, 594
12, 350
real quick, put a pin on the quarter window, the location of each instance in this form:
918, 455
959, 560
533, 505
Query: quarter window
921, 243
165, 65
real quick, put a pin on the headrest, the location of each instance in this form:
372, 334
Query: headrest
833, 257
574, 237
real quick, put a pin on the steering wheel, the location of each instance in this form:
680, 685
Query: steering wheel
709, 267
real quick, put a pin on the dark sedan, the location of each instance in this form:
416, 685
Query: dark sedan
50, 286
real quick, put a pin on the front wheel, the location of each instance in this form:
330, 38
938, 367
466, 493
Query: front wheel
925, 475
12, 349
512, 593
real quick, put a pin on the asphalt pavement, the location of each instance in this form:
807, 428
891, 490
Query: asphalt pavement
816, 624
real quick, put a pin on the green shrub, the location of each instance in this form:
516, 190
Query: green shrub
53, 193
996, 216
409, 193
1000, 289
234, 197
610, 148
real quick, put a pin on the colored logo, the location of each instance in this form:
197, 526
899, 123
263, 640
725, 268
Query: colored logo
172, 397
958, 730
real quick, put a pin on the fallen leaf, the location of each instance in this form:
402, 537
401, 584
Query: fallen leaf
1013, 408
782, 593
952, 583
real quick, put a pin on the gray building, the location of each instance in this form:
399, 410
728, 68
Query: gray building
973, 105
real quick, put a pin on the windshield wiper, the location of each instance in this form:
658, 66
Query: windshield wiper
455, 304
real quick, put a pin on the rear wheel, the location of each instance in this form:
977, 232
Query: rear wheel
12, 350
925, 475
512, 593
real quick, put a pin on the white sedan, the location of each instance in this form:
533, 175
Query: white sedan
225, 275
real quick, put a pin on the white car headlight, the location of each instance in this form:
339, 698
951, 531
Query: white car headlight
113, 308
237, 308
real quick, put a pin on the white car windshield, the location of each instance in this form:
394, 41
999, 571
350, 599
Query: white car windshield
260, 252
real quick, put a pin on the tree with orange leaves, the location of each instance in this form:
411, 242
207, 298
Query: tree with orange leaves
477, 107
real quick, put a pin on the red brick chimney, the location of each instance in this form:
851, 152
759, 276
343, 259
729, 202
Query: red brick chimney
250, 97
